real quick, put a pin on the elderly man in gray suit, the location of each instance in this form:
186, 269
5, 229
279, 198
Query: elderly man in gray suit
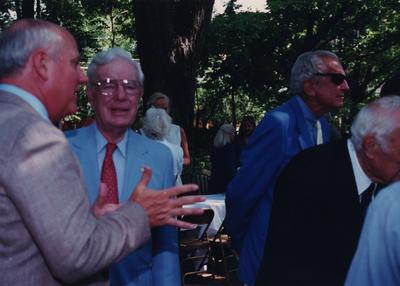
48, 236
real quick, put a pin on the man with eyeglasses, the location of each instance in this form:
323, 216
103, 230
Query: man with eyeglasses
321, 198
318, 84
115, 88
48, 234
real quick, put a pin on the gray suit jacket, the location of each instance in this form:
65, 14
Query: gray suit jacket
47, 233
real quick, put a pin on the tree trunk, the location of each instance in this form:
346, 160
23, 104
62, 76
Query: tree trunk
28, 9
171, 37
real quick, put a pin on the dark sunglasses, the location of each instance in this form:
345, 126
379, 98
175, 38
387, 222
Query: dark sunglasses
336, 78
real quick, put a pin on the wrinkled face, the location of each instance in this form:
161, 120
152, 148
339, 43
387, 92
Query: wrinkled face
162, 103
65, 78
329, 87
116, 98
385, 163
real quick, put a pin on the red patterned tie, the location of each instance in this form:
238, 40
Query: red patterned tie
109, 176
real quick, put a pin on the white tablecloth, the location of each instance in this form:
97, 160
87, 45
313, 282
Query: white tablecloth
215, 202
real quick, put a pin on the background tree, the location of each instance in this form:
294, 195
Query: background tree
246, 67
171, 36
250, 54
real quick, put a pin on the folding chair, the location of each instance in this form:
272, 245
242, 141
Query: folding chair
224, 255
195, 249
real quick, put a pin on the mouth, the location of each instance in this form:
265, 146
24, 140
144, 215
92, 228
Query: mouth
119, 110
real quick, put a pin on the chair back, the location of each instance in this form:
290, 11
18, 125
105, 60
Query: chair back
204, 220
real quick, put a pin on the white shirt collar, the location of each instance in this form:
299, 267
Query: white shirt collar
362, 180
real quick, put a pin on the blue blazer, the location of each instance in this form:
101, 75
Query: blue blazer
282, 133
156, 262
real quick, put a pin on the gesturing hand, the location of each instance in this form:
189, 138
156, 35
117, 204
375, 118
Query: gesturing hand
163, 206
100, 206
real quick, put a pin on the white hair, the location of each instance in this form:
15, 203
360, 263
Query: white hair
156, 123
19, 41
106, 57
224, 135
156, 96
376, 119
306, 66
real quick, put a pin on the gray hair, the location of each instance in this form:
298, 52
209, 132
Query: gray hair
306, 66
107, 56
156, 96
376, 119
223, 135
18, 41
156, 123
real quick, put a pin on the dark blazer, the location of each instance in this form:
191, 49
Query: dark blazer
315, 221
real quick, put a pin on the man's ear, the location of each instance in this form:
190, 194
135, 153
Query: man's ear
308, 87
370, 146
40, 63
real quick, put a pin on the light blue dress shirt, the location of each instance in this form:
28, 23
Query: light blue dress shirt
28, 97
377, 259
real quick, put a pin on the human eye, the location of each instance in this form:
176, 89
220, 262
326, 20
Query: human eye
131, 85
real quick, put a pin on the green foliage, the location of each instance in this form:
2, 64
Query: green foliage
250, 54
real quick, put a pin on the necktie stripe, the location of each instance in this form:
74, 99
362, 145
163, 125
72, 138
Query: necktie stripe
109, 175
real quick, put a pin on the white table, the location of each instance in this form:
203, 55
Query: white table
215, 202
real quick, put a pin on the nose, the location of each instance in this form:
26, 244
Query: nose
120, 92
345, 86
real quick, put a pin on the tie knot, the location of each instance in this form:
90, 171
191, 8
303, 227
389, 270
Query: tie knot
110, 148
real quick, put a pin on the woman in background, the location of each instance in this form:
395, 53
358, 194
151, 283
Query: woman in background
176, 134
246, 129
223, 166
156, 125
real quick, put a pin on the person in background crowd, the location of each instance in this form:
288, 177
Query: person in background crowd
246, 128
176, 135
223, 166
114, 90
391, 86
156, 125
48, 234
321, 197
318, 84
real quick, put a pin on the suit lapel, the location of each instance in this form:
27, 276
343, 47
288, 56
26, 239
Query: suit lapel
136, 154
347, 174
326, 129
304, 138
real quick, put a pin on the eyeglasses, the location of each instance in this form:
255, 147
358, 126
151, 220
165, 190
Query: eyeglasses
336, 78
109, 86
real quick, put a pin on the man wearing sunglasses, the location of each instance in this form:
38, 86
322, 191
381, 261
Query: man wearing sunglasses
115, 88
318, 84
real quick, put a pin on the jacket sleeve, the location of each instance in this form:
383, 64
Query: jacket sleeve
261, 162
